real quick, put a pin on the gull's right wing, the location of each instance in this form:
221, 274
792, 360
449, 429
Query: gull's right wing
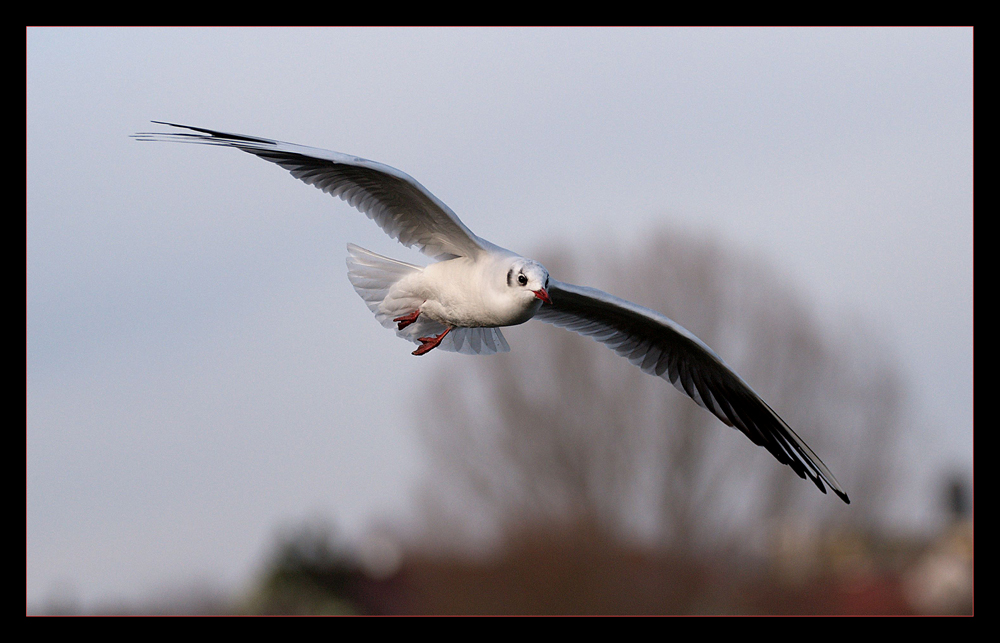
661, 347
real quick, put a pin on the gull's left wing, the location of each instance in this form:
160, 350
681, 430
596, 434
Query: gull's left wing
661, 347
406, 210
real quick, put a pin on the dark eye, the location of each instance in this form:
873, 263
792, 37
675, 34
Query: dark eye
521, 279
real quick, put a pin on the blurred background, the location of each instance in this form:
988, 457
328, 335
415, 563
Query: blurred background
216, 423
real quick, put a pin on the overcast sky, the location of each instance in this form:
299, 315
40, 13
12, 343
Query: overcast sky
199, 369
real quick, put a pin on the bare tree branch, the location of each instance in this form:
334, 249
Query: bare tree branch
562, 431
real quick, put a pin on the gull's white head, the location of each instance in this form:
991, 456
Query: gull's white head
529, 280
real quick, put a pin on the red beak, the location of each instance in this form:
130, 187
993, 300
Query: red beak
541, 294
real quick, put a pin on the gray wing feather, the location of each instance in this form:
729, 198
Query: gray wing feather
403, 208
661, 347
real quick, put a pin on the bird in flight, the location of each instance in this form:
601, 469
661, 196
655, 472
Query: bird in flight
460, 302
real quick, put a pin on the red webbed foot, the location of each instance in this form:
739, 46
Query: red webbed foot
427, 343
406, 320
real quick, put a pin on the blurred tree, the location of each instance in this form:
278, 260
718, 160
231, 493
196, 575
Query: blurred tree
307, 573
561, 431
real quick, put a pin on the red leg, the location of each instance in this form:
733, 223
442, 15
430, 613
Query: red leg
427, 343
406, 320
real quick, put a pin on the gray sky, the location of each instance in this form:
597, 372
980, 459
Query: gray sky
199, 369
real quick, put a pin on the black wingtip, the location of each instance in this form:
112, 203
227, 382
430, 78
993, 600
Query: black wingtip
217, 134
822, 487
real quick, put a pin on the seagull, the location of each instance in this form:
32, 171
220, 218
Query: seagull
460, 302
